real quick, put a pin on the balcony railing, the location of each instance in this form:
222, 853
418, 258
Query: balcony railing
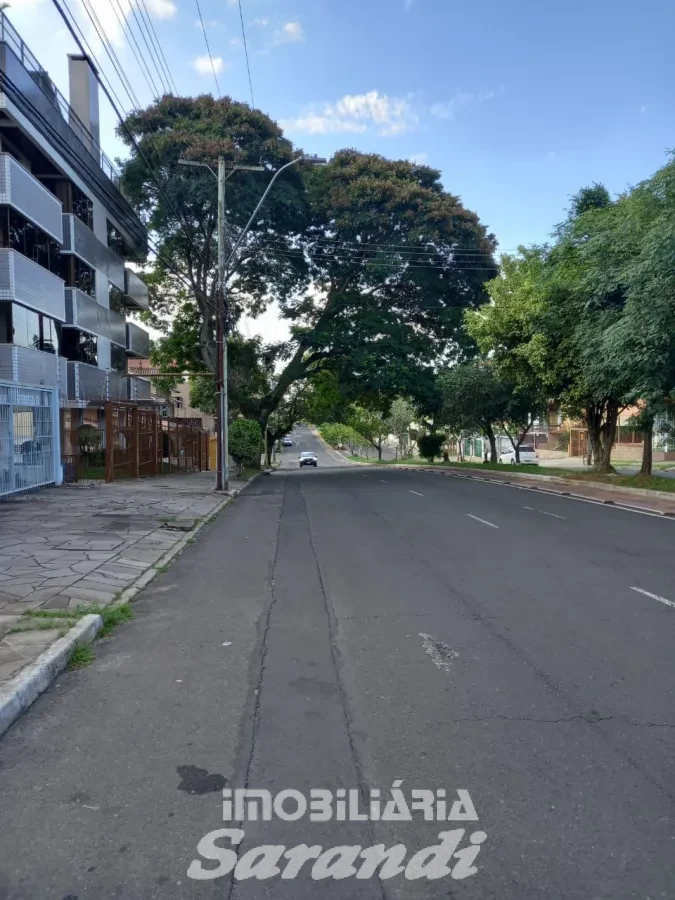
135, 290
138, 341
24, 193
30, 284
81, 240
91, 385
21, 365
83, 311
10, 36
141, 389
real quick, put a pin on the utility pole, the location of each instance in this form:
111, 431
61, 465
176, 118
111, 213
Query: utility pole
223, 468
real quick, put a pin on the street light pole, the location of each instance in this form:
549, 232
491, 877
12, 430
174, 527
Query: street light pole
222, 466
222, 319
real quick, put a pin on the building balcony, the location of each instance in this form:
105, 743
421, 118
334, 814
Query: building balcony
92, 386
85, 313
25, 194
135, 291
28, 283
34, 368
140, 389
30, 97
138, 341
81, 240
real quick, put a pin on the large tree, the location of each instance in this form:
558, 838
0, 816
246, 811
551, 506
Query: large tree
473, 399
370, 261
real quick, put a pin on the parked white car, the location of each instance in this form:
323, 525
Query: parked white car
528, 456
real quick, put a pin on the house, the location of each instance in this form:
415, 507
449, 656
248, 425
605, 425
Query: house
66, 231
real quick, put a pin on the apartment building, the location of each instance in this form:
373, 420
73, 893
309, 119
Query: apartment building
66, 231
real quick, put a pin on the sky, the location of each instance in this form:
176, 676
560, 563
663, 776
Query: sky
518, 104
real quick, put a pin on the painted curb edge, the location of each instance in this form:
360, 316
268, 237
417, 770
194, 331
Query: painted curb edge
23, 690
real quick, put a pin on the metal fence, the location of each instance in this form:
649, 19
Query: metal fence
26, 439
133, 442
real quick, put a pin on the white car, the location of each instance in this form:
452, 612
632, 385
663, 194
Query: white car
308, 459
528, 456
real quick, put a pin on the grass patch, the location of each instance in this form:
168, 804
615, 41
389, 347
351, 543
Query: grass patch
82, 656
112, 616
44, 625
643, 482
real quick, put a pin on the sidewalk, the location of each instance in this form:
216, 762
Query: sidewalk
84, 544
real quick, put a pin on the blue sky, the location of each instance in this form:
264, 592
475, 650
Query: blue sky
518, 104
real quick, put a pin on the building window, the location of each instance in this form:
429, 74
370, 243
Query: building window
115, 301
82, 207
17, 233
118, 358
78, 346
115, 240
78, 274
51, 335
27, 328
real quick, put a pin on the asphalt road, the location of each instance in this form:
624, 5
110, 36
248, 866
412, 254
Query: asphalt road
347, 628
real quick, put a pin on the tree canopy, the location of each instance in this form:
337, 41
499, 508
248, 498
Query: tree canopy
371, 262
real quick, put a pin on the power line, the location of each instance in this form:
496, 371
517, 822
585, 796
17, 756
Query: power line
450, 267
163, 77
248, 66
410, 256
112, 56
116, 108
412, 248
206, 41
124, 25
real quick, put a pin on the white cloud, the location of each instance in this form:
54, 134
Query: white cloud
448, 108
203, 65
643, 109
289, 33
357, 113
260, 23
418, 158
161, 9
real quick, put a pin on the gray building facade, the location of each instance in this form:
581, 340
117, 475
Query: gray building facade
66, 236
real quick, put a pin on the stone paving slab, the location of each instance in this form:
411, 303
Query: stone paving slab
83, 544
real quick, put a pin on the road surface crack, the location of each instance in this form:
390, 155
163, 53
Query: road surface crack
334, 653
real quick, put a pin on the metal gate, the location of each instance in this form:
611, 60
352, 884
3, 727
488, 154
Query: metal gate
27, 439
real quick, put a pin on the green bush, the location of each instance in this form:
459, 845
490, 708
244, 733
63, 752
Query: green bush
430, 445
244, 436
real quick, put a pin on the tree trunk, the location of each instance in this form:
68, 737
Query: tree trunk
647, 450
379, 452
601, 420
493, 443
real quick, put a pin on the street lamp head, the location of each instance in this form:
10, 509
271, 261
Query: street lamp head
315, 160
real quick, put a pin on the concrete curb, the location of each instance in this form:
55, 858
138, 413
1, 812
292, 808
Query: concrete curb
533, 480
23, 690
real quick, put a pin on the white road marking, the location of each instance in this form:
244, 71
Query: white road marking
482, 520
640, 510
544, 513
383, 481
654, 596
439, 652
416, 492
